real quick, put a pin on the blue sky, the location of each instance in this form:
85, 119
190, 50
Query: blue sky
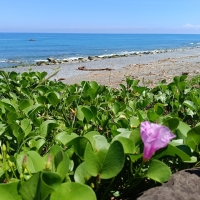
100, 16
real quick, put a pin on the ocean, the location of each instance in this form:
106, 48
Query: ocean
27, 48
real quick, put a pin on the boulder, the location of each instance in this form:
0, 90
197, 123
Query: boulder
183, 185
91, 57
52, 60
40, 63
65, 60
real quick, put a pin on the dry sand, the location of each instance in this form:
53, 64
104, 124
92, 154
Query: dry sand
149, 74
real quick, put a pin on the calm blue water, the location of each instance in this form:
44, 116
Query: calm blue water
16, 47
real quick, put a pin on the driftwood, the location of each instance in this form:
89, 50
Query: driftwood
85, 69
59, 79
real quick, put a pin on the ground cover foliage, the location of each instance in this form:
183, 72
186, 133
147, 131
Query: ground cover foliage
65, 141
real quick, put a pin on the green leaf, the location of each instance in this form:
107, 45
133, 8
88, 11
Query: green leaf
37, 143
90, 135
73, 191
129, 140
42, 100
28, 190
135, 157
181, 86
193, 138
152, 116
65, 137
116, 108
7, 105
128, 145
26, 126
50, 182
158, 107
41, 75
47, 126
9, 191
172, 123
13, 75
134, 122
158, 171
79, 144
189, 104
135, 136
71, 99
94, 85
81, 174
40, 185
2, 128
61, 160
32, 110
53, 98
106, 163
172, 150
80, 114
92, 89
87, 113
34, 161
183, 128
12, 117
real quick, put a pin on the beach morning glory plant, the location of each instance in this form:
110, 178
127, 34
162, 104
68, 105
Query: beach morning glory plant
154, 137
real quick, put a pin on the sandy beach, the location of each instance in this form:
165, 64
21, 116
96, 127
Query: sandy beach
148, 68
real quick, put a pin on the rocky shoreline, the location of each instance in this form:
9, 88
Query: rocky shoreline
55, 61
149, 67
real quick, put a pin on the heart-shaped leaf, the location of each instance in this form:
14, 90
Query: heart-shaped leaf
75, 191
105, 162
158, 171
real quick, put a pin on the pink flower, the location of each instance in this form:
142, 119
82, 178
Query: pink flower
154, 137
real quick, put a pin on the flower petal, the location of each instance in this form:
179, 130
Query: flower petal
154, 137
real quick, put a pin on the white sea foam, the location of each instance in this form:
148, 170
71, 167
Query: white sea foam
8, 61
72, 58
40, 60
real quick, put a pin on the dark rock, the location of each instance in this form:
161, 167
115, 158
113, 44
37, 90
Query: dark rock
91, 57
80, 59
183, 185
185, 73
85, 60
52, 60
65, 60
39, 63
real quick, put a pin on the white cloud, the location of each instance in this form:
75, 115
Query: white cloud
187, 25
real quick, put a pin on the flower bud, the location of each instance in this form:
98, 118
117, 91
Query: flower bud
10, 164
7, 156
3, 148
24, 164
48, 164
98, 179
92, 185
21, 176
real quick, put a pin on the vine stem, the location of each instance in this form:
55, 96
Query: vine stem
5, 166
136, 174
108, 188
